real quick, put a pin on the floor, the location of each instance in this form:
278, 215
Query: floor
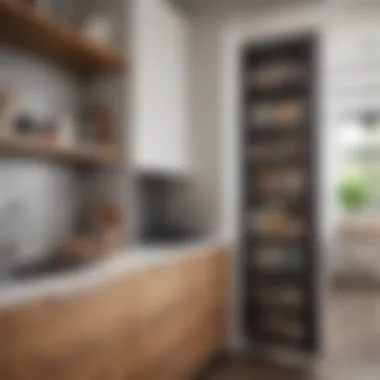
352, 324
353, 336
251, 370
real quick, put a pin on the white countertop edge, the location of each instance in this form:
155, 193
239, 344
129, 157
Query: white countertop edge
81, 280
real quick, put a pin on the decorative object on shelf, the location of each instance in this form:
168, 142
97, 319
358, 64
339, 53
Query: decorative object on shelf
99, 125
276, 259
27, 125
271, 295
277, 223
268, 76
99, 232
286, 327
66, 127
285, 181
276, 150
107, 221
283, 114
104, 124
262, 114
81, 248
49, 131
290, 112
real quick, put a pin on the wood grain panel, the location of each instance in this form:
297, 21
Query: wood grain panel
161, 289
41, 33
38, 147
163, 322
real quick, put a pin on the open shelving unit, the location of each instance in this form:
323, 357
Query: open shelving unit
42, 33
279, 246
47, 36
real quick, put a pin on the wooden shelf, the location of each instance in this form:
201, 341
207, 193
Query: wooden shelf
35, 147
42, 33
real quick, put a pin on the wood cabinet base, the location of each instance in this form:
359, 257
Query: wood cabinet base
157, 323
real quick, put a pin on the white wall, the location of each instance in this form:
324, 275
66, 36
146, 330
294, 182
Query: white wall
159, 51
205, 120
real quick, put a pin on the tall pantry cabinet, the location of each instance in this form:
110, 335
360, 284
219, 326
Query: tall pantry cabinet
278, 158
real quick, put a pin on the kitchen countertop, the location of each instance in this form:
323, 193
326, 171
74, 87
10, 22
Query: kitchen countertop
13, 292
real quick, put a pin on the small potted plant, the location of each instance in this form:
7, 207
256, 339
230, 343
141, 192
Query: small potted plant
353, 193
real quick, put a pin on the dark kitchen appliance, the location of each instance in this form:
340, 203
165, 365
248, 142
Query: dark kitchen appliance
165, 209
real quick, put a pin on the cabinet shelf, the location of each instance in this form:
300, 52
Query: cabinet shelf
279, 340
279, 120
276, 93
42, 33
258, 239
289, 201
276, 161
291, 312
279, 277
37, 147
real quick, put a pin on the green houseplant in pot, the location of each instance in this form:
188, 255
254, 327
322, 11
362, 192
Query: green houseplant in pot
353, 190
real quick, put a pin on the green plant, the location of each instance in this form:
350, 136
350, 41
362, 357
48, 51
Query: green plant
353, 193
